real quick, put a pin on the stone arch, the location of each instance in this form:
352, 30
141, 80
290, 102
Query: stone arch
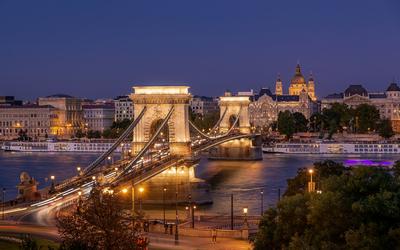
234, 106
159, 100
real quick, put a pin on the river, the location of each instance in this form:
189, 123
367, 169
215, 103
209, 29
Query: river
243, 179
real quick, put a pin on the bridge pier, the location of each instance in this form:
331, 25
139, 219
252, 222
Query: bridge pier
244, 149
179, 179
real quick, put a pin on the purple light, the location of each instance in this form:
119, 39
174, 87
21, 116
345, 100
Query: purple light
366, 162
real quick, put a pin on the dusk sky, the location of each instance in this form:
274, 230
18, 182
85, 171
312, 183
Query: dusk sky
102, 48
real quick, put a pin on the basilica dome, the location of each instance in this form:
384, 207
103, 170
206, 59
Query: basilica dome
298, 77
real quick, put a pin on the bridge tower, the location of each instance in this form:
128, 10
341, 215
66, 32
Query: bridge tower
230, 108
159, 100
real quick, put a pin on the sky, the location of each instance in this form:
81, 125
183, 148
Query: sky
98, 49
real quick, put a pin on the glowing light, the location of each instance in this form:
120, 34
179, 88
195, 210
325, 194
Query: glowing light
124, 190
93, 177
78, 168
52, 177
161, 90
141, 189
245, 210
79, 193
311, 171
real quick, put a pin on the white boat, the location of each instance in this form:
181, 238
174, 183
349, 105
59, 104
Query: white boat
62, 146
333, 148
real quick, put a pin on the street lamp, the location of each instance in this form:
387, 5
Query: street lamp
52, 188
3, 201
311, 184
141, 190
193, 208
262, 201
245, 210
163, 197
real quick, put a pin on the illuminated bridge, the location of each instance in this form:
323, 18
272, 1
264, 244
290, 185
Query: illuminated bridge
166, 147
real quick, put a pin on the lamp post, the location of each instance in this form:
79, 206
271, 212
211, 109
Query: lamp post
3, 201
262, 201
163, 197
193, 208
141, 190
245, 211
79, 170
176, 206
52, 188
231, 211
311, 184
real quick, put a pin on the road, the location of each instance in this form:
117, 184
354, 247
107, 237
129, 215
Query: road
157, 241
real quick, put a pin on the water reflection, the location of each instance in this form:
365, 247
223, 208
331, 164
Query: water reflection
244, 179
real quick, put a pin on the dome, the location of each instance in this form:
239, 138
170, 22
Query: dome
356, 90
298, 77
393, 87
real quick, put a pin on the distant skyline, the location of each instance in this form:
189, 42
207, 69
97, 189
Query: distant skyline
100, 49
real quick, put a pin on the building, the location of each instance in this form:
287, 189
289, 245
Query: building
265, 107
69, 112
387, 102
298, 84
98, 117
33, 121
9, 101
123, 106
203, 105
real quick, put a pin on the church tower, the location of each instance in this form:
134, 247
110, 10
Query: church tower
311, 88
278, 86
298, 83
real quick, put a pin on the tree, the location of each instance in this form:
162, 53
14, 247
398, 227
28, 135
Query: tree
367, 118
358, 208
316, 122
79, 133
385, 128
286, 124
93, 134
300, 122
101, 222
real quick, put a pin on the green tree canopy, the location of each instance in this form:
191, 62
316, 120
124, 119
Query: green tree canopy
385, 128
286, 124
300, 122
357, 208
367, 118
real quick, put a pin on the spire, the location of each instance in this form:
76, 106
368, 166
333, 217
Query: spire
298, 69
311, 77
278, 79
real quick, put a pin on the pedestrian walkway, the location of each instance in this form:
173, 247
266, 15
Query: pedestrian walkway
166, 242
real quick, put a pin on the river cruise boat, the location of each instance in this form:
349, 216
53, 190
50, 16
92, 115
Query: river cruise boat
333, 148
62, 146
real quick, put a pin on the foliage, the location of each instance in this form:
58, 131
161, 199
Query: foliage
316, 122
286, 124
367, 118
100, 223
358, 208
93, 134
79, 133
27, 243
117, 128
300, 122
385, 128
205, 122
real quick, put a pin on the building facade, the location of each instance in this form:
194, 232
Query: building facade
203, 105
69, 112
265, 107
387, 102
34, 121
98, 117
123, 106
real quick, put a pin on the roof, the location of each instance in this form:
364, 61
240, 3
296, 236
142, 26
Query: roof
26, 106
377, 95
59, 96
356, 89
334, 96
286, 98
98, 106
393, 87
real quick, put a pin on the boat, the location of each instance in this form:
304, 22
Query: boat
332, 148
63, 146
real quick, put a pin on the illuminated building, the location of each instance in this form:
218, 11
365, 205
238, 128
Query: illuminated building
388, 102
98, 117
31, 120
69, 112
123, 108
203, 105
